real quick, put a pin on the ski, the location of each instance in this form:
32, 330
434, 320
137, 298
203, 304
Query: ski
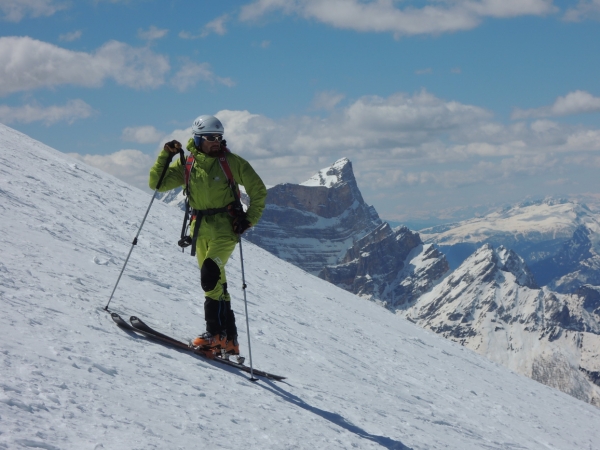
138, 326
120, 322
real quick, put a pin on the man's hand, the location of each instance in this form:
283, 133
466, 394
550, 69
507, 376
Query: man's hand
173, 146
241, 224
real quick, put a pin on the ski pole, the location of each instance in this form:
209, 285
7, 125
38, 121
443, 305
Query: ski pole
134, 243
252, 378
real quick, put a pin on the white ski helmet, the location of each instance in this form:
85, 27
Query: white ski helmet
207, 125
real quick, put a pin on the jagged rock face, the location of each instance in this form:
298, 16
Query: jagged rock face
590, 297
465, 299
391, 266
328, 194
575, 263
325, 227
311, 225
492, 305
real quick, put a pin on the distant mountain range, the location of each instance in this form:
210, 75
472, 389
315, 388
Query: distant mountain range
520, 285
558, 239
493, 305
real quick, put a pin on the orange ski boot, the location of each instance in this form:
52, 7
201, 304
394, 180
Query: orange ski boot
208, 340
232, 347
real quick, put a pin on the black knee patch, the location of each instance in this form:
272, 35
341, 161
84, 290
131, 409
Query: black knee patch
209, 275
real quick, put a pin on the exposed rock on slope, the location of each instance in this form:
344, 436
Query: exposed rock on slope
392, 266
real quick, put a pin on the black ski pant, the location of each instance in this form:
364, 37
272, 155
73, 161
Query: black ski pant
219, 317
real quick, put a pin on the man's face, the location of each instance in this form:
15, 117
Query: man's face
211, 148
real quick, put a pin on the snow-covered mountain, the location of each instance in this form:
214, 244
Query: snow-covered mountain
324, 226
312, 224
492, 304
558, 239
358, 375
388, 266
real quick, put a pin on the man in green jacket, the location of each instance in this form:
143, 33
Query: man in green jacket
217, 232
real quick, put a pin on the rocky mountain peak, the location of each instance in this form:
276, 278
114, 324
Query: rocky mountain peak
509, 261
327, 194
340, 172
486, 263
312, 224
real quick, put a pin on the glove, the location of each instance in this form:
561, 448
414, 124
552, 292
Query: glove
241, 224
236, 209
172, 147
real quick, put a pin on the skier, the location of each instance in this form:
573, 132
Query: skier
222, 219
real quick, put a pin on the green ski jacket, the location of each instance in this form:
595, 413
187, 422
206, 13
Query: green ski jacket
208, 188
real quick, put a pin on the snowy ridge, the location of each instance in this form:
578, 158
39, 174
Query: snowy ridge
70, 379
559, 240
492, 305
329, 176
536, 221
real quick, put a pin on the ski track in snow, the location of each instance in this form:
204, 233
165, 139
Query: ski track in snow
358, 376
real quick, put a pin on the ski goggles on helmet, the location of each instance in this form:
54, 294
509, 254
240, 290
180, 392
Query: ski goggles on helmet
209, 137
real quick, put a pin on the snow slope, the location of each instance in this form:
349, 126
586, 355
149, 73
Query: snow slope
70, 379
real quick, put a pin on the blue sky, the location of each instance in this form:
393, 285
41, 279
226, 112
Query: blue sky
443, 106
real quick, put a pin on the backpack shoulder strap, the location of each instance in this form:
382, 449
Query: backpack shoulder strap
227, 171
189, 163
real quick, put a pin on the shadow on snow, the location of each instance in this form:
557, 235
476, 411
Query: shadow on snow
332, 417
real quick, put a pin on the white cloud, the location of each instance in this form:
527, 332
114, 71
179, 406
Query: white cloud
216, 26
72, 111
142, 135
27, 64
70, 37
191, 73
179, 135
16, 10
327, 100
152, 33
384, 16
131, 166
585, 9
406, 140
577, 102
